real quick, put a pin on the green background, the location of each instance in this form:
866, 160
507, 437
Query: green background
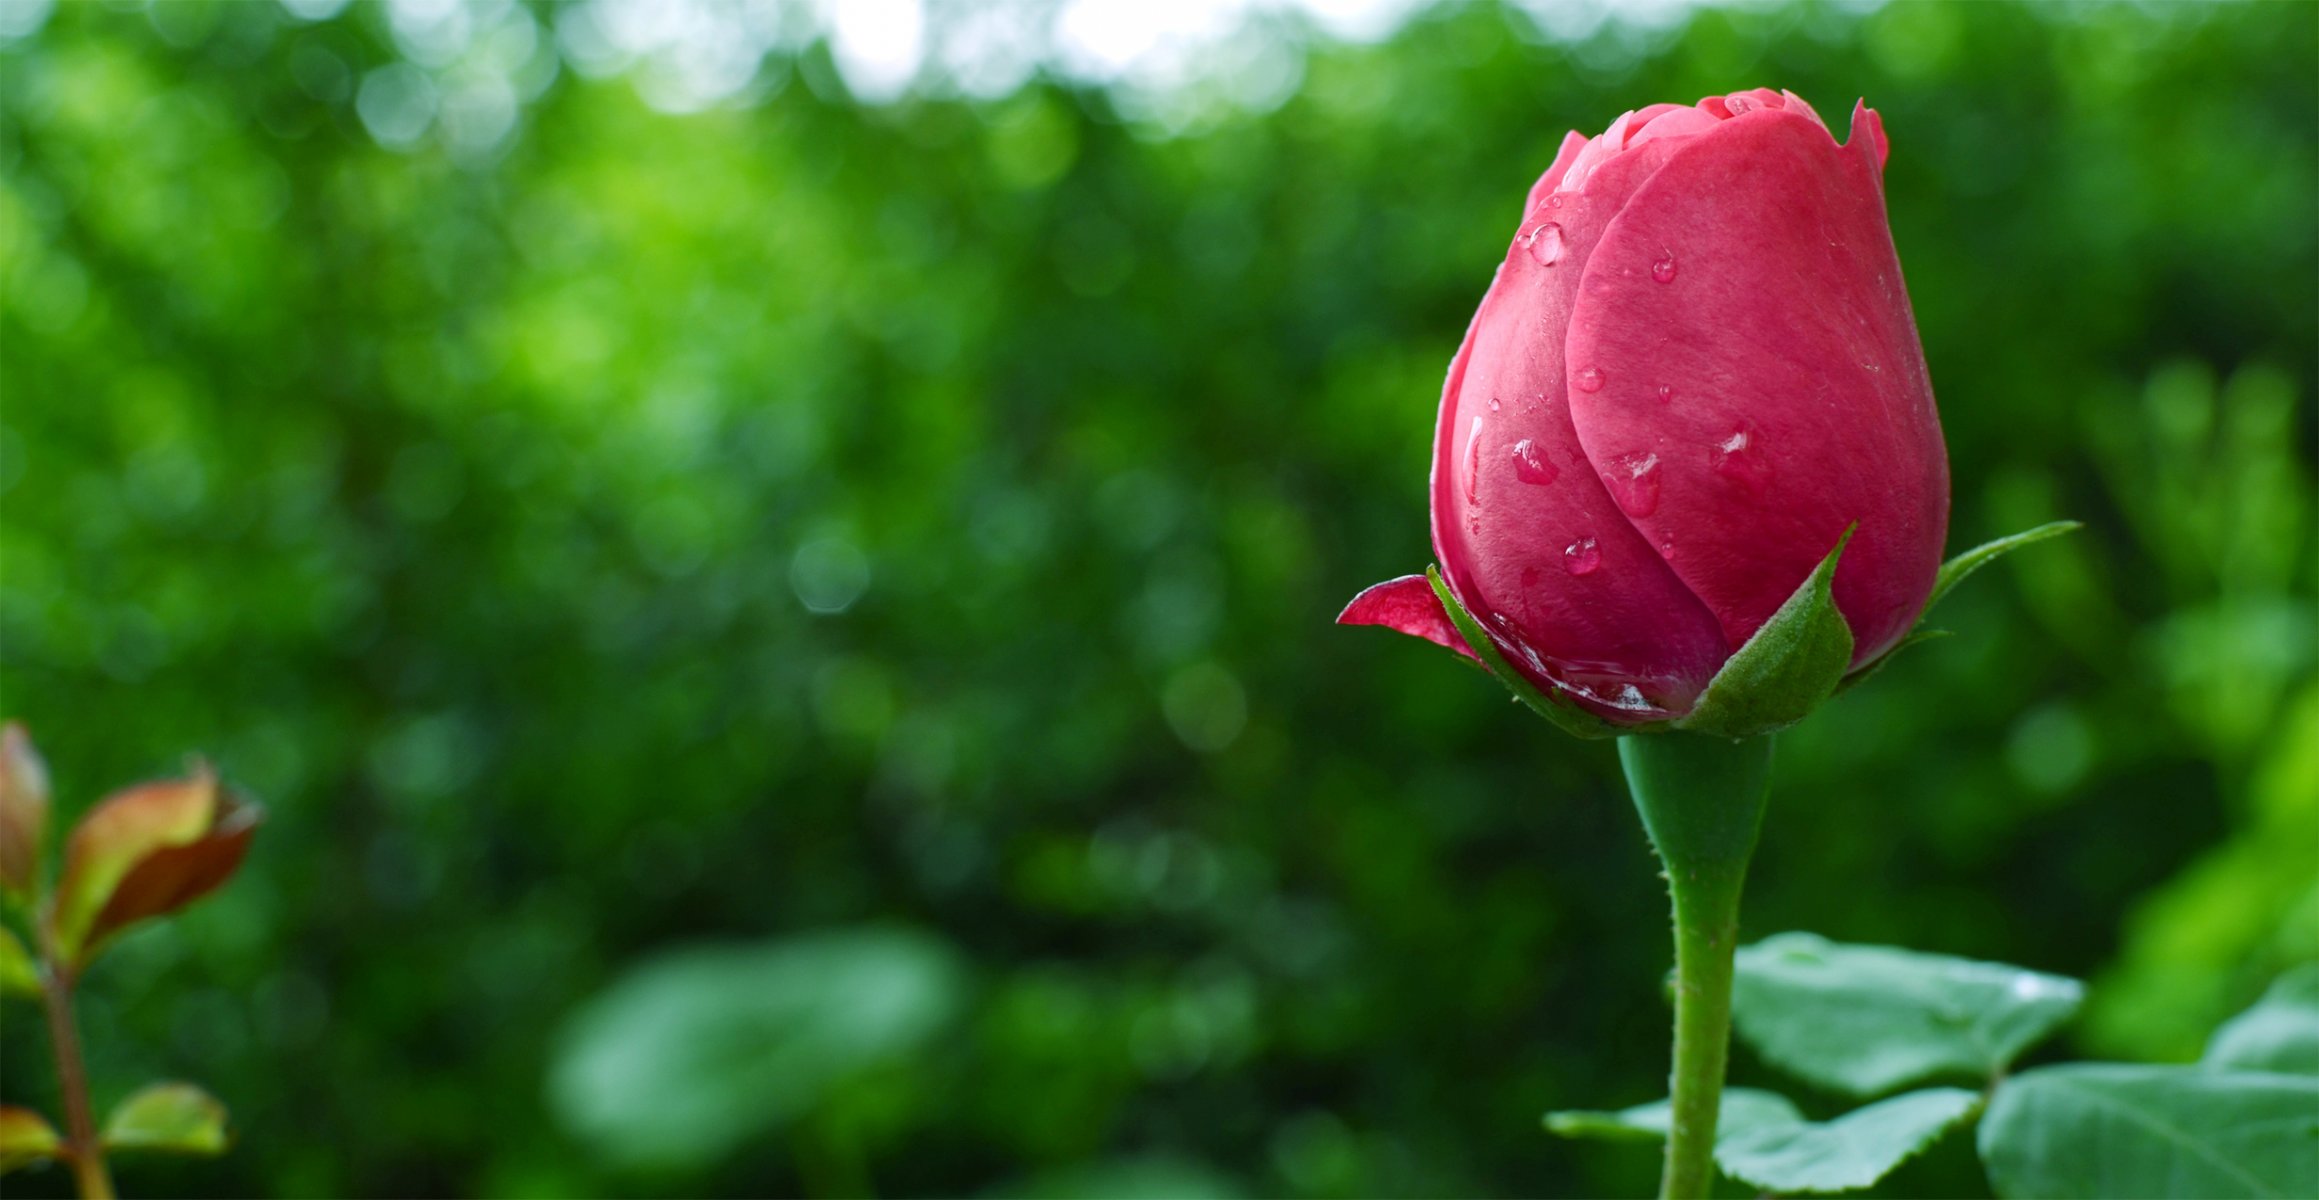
911, 531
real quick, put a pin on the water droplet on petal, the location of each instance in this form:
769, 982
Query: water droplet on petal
1736, 104
1544, 243
1531, 464
1473, 464
1629, 699
1554, 200
1740, 458
1665, 393
1582, 557
1493, 404
1633, 481
1588, 379
1664, 269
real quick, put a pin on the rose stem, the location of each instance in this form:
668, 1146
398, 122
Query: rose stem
1702, 801
88, 1153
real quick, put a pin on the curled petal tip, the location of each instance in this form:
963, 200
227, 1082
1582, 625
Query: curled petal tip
1405, 605
1865, 120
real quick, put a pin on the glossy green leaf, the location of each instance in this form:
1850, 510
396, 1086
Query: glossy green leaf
1762, 1140
18, 975
2280, 1033
1566, 716
1787, 669
1868, 1019
1852, 1151
1954, 571
26, 1138
177, 1118
1744, 1111
2114, 1130
695, 1053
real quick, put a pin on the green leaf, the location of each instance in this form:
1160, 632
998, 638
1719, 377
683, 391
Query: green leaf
26, 1138
1868, 1019
1763, 1141
1565, 715
1744, 1111
694, 1054
1851, 1151
178, 1118
1787, 669
2280, 1033
18, 975
1953, 572
2113, 1130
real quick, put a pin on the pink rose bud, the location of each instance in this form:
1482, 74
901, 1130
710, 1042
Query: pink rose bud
1695, 370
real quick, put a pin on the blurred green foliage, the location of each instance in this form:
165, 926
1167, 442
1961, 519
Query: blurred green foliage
813, 524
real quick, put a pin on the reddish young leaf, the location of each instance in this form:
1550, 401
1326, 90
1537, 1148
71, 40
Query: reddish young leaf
146, 852
23, 810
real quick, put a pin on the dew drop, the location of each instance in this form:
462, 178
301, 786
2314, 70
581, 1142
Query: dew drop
1630, 699
1531, 464
1554, 200
1737, 104
1634, 482
1588, 379
1582, 557
1544, 243
1665, 393
1493, 404
1664, 269
1740, 458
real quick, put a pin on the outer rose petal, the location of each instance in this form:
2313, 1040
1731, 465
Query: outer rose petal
1572, 143
1752, 282
1408, 605
1575, 597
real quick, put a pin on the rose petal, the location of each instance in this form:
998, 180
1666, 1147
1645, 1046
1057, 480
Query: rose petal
1572, 143
1781, 303
1575, 596
1409, 606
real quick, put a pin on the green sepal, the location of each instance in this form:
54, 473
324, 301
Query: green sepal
1922, 633
18, 977
1951, 574
1787, 669
1566, 716
175, 1118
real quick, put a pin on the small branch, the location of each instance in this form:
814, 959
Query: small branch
88, 1151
